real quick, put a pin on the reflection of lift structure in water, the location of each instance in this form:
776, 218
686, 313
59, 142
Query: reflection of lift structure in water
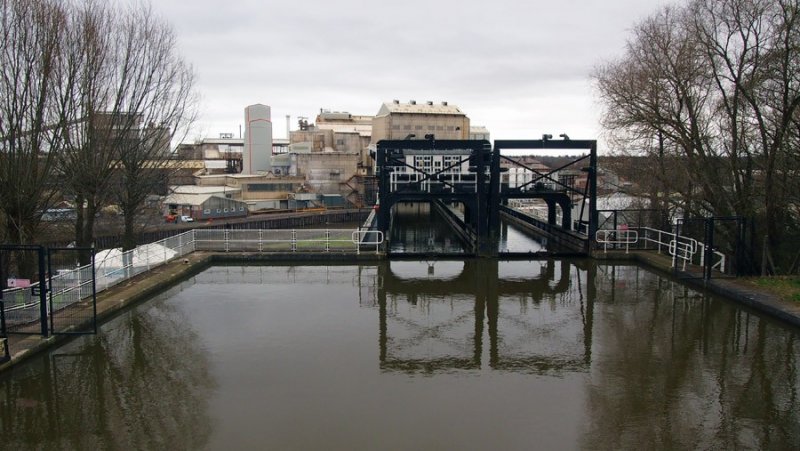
491, 295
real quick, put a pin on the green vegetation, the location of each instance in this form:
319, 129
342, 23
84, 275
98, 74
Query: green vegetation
785, 287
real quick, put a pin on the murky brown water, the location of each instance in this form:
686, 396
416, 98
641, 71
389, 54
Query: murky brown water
418, 229
462, 355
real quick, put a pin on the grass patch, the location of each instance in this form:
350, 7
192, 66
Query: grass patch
786, 287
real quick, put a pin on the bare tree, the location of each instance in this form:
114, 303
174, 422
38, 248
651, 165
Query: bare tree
715, 86
30, 55
85, 91
128, 94
155, 85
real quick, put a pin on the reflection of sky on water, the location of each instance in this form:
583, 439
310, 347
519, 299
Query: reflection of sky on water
480, 354
416, 229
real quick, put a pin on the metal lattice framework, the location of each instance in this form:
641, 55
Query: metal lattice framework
469, 172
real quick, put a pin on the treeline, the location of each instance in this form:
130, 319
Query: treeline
91, 95
709, 92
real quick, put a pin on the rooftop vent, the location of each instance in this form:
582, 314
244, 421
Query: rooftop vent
412, 102
429, 102
396, 102
444, 103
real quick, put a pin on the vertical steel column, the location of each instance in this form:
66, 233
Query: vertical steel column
494, 192
709, 248
5, 355
384, 206
593, 217
480, 219
94, 294
42, 292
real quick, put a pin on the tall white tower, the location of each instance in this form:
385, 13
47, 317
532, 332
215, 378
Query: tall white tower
257, 154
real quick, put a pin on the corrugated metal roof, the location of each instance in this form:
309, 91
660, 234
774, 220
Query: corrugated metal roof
195, 189
419, 108
186, 199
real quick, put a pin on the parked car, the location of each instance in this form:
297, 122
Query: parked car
185, 218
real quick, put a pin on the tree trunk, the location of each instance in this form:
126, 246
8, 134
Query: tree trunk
129, 238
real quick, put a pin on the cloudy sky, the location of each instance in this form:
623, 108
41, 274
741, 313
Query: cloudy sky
521, 68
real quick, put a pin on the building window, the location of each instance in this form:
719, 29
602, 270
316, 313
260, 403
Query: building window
207, 211
406, 127
417, 127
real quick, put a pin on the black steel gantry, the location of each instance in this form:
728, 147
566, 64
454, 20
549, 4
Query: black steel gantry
404, 176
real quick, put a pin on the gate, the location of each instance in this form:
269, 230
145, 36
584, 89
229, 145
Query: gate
43, 292
22, 276
714, 247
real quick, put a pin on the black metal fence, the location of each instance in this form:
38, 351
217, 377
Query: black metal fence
40, 295
722, 247
5, 355
633, 218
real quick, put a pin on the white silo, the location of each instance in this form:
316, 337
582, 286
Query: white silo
257, 154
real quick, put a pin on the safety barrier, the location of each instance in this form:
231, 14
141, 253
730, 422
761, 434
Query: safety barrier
626, 237
112, 266
279, 241
682, 249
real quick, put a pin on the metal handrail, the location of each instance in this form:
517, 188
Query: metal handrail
619, 236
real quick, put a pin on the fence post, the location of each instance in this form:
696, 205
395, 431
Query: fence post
294, 240
709, 255
327, 240
42, 292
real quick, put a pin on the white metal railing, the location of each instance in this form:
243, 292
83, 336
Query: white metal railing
366, 237
287, 240
620, 236
424, 180
112, 266
684, 250
681, 250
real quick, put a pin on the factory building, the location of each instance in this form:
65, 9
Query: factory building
411, 120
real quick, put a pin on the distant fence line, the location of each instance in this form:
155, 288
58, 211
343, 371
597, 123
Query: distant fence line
278, 221
112, 266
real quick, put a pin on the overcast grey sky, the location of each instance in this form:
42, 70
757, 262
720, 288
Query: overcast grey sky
521, 68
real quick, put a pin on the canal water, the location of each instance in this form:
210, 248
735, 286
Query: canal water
475, 354
418, 229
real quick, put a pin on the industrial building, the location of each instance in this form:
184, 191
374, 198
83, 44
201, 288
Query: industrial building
203, 202
326, 163
411, 120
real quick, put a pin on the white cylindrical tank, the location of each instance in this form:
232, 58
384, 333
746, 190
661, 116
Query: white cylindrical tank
257, 154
